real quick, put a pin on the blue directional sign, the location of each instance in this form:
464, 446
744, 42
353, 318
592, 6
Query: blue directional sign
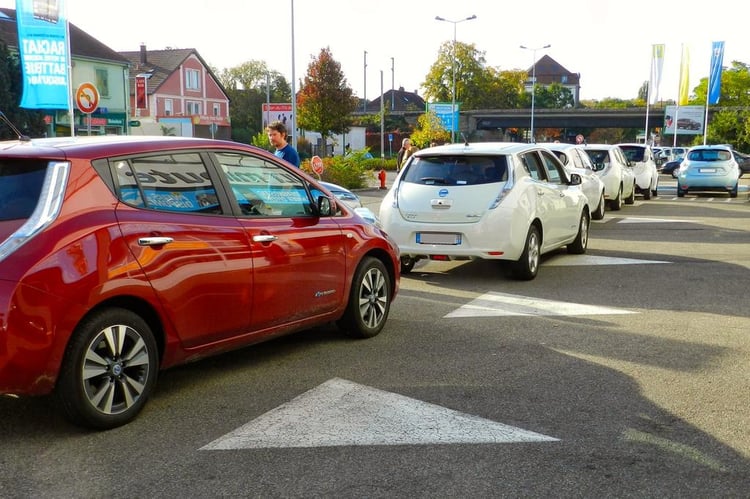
443, 112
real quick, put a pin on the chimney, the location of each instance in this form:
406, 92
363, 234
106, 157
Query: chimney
144, 59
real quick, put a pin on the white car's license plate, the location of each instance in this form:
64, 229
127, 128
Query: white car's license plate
707, 170
438, 238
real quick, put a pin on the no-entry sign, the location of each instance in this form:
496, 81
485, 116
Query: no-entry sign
87, 98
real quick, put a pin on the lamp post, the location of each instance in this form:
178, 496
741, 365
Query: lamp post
453, 93
532, 139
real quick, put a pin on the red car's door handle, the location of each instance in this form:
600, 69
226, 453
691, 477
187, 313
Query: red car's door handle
154, 241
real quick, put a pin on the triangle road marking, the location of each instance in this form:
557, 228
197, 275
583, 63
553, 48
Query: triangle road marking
343, 413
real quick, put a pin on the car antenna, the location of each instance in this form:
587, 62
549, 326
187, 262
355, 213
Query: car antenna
10, 124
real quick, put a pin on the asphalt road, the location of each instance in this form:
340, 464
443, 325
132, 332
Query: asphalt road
624, 372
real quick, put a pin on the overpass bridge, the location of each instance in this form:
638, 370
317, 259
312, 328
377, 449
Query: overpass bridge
494, 119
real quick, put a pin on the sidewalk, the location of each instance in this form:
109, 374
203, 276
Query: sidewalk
374, 182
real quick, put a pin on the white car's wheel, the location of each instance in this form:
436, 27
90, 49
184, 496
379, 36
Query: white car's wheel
581, 242
616, 203
599, 213
526, 267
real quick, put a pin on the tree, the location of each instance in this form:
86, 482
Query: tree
429, 129
29, 122
246, 88
471, 76
729, 124
553, 96
325, 101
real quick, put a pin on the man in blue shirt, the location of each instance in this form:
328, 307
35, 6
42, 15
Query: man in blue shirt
277, 136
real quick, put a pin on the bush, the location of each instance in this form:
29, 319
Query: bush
350, 171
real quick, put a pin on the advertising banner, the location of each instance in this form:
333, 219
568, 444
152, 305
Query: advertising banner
685, 120
279, 112
43, 46
141, 91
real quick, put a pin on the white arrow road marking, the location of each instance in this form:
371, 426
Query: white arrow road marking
500, 304
636, 220
340, 413
572, 260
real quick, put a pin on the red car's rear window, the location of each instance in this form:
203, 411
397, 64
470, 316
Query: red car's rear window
20, 185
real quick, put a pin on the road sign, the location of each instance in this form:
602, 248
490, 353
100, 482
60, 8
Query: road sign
316, 163
87, 98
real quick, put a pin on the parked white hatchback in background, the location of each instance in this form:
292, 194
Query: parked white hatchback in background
643, 163
575, 160
501, 201
612, 167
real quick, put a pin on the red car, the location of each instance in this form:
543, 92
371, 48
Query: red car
122, 256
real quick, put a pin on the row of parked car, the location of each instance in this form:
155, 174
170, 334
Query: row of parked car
510, 201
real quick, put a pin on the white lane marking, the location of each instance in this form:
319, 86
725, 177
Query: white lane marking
636, 220
500, 304
343, 413
572, 260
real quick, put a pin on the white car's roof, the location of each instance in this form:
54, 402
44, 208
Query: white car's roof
601, 146
479, 148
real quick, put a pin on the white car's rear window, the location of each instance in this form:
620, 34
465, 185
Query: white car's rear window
457, 170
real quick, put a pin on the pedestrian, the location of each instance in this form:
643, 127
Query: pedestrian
405, 144
277, 135
408, 153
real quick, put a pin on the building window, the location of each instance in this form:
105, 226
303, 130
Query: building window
564, 79
102, 82
168, 110
193, 107
217, 109
192, 79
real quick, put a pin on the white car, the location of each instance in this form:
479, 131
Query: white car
352, 201
644, 167
575, 160
499, 201
612, 167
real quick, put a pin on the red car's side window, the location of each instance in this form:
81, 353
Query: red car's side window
175, 182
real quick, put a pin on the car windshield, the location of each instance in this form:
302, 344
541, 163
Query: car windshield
633, 153
20, 185
599, 157
457, 170
709, 155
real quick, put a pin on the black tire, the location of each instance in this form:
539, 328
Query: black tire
630, 199
599, 213
646, 194
735, 190
109, 370
407, 264
581, 242
616, 203
369, 300
526, 267
680, 192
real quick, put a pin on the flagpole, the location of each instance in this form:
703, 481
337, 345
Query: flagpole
705, 118
71, 113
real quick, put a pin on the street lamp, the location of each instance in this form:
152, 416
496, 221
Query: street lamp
532, 139
453, 93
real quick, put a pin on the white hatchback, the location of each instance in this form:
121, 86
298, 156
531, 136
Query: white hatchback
614, 170
642, 161
575, 160
500, 201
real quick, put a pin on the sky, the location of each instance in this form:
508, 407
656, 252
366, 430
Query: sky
609, 42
